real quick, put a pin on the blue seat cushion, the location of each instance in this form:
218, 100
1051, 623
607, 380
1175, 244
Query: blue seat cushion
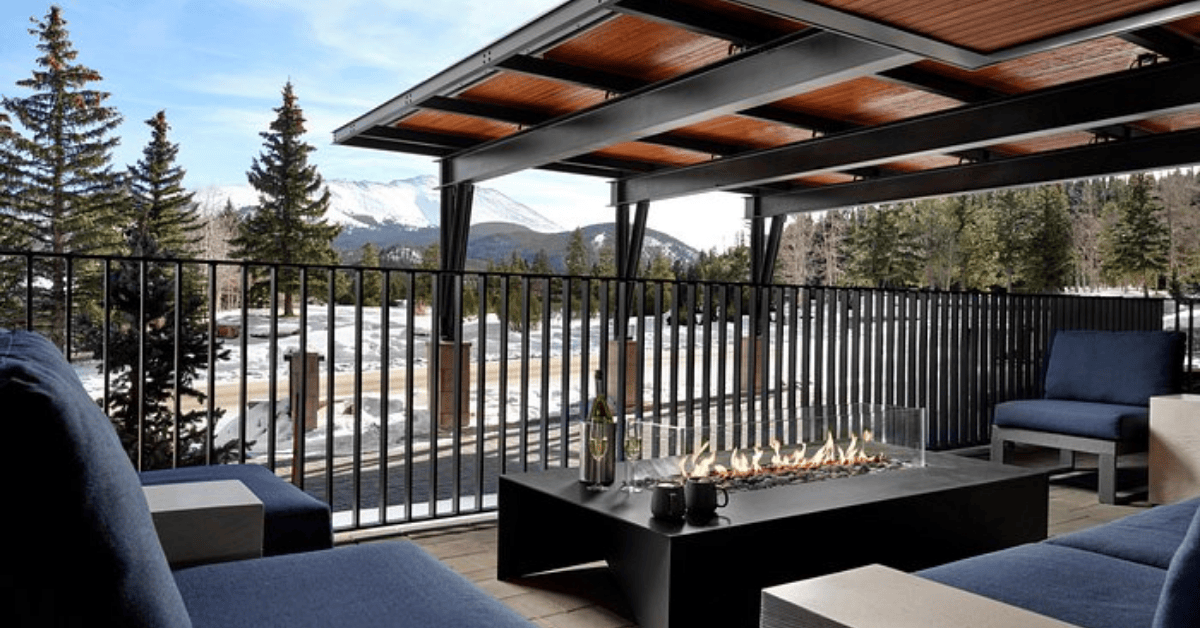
1179, 602
1076, 586
1078, 418
395, 584
293, 521
1150, 537
84, 550
1118, 367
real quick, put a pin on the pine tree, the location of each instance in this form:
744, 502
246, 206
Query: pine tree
154, 365
70, 200
161, 207
288, 226
1014, 222
1047, 258
874, 248
12, 236
1137, 243
578, 259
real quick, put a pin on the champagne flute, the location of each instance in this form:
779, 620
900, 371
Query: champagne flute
633, 453
597, 446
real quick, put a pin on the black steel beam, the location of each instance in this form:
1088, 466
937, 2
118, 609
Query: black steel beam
395, 139
571, 16
1094, 160
744, 81
490, 111
576, 75
926, 81
697, 20
818, 14
1162, 41
1129, 96
456, 204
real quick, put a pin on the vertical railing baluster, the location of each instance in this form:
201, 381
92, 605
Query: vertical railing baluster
385, 388
410, 411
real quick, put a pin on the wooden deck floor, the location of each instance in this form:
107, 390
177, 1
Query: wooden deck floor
587, 597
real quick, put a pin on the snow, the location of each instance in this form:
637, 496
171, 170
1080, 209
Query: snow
412, 203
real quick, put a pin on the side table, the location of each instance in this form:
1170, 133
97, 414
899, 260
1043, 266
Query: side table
206, 522
875, 596
1174, 456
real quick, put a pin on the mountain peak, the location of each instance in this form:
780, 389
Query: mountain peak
401, 204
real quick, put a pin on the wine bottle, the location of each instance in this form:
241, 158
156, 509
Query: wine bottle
601, 411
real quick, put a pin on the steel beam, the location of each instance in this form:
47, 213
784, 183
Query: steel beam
697, 20
817, 14
576, 75
454, 231
1130, 96
748, 80
571, 16
764, 246
1094, 160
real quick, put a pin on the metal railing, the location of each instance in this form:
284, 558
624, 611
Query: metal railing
403, 433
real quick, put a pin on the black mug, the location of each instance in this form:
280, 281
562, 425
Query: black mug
701, 496
667, 501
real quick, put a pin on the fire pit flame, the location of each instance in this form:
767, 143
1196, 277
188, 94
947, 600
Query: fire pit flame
703, 462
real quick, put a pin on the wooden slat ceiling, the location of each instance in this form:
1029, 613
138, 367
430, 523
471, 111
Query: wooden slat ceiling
995, 24
630, 49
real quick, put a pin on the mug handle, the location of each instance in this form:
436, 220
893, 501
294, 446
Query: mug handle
725, 494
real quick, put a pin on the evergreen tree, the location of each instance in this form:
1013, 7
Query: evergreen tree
1014, 222
875, 254
153, 365
1047, 252
578, 259
1137, 243
577, 262
12, 237
70, 200
162, 209
372, 279
288, 226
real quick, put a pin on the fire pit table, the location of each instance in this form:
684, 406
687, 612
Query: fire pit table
712, 573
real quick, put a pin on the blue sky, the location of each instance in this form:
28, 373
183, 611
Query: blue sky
217, 68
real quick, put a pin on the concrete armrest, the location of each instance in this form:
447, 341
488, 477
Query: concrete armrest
881, 597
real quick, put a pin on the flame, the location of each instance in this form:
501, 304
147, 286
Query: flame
745, 464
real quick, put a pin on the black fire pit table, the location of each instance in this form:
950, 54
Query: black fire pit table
712, 574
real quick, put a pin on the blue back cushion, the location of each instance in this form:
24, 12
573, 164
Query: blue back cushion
82, 549
1179, 601
1121, 367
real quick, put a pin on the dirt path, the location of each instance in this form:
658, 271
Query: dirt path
228, 395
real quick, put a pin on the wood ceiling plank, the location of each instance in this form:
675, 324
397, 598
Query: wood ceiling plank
639, 48
991, 26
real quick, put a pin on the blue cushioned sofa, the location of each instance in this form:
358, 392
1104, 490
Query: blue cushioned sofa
82, 549
1140, 571
1098, 386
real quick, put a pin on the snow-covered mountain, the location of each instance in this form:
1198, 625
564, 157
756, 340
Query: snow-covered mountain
369, 212
401, 218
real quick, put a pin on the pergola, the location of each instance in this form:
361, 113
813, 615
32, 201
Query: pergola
804, 106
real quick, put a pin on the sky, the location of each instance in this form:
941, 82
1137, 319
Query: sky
218, 67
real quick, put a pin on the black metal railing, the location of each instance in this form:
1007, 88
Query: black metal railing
396, 432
